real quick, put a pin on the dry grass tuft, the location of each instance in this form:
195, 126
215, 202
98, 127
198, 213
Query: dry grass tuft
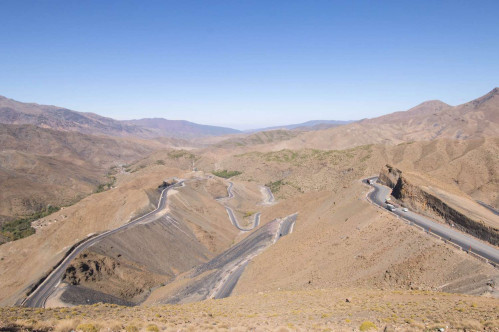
367, 325
468, 324
87, 327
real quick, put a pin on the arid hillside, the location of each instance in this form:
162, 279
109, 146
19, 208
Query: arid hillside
430, 197
25, 261
59, 118
128, 264
460, 166
428, 121
256, 140
469, 167
332, 246
42, 166
180, 128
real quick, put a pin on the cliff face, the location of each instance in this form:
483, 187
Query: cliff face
424, 202
390, 176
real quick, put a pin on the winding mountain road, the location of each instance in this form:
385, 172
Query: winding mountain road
227, 286
269, 198
232, 216
217, 278
380, 193
40, 295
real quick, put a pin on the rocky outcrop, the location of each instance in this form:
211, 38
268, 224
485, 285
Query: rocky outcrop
114, 276
420, 200
126, 265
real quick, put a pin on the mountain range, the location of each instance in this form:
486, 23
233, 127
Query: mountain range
59, 118
428, 120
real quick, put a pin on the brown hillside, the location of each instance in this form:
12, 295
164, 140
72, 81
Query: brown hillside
43, 166
58, 118
428, 121
24, 261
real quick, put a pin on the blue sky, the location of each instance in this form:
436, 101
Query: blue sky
247, 64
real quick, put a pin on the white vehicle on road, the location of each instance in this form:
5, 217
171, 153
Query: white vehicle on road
405, 209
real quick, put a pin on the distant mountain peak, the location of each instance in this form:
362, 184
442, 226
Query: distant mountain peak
434, 102
428, 107
493, 92
483, 99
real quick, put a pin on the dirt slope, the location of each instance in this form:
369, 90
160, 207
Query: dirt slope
340, 240
129, 264
24, 261
469, 166
42, 166
427, 196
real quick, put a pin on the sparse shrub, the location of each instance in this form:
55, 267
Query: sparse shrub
367, 325
181, 154
152, 328
275, 186
131, 328
469, 324
226, 174
87, 327
21, 228
492, 323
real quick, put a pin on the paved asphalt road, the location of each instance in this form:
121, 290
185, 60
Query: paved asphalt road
218, 277
487, 206
285, 228
229, 285
232, 216
38, 297
229, 190
234, 222
270, 197
381, 192
287, 225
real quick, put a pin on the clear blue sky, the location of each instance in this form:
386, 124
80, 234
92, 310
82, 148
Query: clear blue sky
247, 63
